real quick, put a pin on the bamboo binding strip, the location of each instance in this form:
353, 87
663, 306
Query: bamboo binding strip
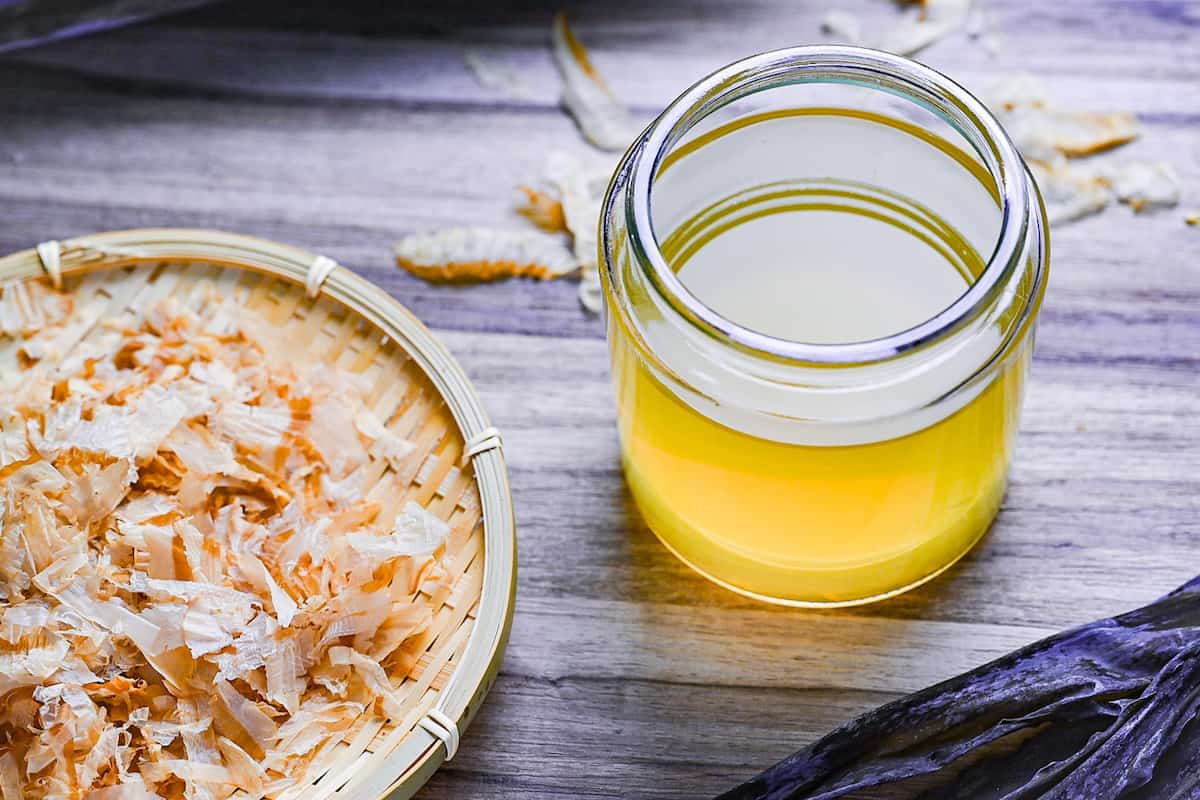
331, 314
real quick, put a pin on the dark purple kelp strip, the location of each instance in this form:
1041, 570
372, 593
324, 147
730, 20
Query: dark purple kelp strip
1105, 711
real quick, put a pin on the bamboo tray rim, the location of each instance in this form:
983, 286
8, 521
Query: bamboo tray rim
406, 768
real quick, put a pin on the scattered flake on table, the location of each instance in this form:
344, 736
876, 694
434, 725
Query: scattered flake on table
484, 254
603, 119
1144, 185
929, 22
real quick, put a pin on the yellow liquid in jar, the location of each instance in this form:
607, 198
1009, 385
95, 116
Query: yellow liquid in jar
814, 524
817, 524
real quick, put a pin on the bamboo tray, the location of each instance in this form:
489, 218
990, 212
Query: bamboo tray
330, 314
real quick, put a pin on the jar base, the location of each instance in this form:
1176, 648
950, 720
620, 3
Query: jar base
819, 586
819, 604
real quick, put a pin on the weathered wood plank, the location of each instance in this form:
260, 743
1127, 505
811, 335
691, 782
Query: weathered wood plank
347, 181
1112, 507
649, 52
341, 126
583, 737
641, 639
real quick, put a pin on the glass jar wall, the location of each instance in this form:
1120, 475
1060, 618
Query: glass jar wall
822, 269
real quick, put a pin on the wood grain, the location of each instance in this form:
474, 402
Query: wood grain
339, 127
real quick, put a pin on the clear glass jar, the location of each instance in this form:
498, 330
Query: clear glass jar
822, 269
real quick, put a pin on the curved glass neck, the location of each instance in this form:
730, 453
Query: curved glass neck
633, 188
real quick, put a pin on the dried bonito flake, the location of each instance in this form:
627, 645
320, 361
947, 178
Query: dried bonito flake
1043, 132
186, 610
457, 255
1072, 190
923, 23
1053, 142
543, 210
27, 307
1069, 193
933, 20
1144, 185
602, 118
578, 185
565, 200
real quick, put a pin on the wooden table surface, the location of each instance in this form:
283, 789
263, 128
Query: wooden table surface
338, 127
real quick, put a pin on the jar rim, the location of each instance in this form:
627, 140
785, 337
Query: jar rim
847, 65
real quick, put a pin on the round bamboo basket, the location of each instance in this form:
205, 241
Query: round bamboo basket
327, 313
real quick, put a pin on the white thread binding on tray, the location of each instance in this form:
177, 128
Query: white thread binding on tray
444, 728
486, 439
50, 254
318, 271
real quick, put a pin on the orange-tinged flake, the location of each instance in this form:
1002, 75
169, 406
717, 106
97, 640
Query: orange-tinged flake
460, 255
175, 565
124, 358
543, 210
578, 51
602, 118
477, 271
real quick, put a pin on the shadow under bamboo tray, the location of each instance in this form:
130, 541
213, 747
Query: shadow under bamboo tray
328, 314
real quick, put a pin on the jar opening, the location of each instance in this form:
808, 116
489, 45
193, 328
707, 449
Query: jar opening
712, 112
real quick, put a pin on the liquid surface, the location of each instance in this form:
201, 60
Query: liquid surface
810, 271
823, 261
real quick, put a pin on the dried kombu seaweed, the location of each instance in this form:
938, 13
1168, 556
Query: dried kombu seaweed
1105, 711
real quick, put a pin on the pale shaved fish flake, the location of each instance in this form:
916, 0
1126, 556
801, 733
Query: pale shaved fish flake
578, 185
103, 751
484, 254
246, 773
284, 606
929, 22
921, 24
26, 307
1053, 141
249, 714
602, 118
385, 444
257, 426
418, 531
177, 578
1070, 193
372, 675
1043, 132
14, 439
1145, 185
570, 204
10, 778
131, 788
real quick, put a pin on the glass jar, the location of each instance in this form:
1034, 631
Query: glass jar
822, 268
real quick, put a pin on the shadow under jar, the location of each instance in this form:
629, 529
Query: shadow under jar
822, 269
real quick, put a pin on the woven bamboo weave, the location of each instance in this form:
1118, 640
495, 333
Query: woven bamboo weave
421, 393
